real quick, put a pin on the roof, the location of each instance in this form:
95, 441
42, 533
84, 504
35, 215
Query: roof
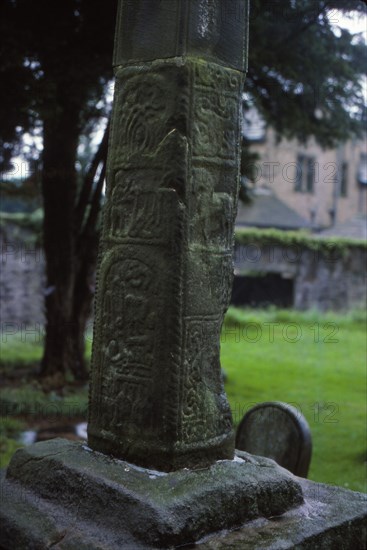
266, 210
355, 228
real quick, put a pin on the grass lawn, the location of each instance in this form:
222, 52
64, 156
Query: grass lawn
315, 362
23, 403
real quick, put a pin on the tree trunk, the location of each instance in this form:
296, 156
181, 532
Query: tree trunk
59, 188
82, 302
70, 243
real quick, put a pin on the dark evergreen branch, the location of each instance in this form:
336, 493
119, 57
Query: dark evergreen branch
85, 194
91, 222
284, 42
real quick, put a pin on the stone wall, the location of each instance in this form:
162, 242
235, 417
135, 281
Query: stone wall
21, 279
334, 280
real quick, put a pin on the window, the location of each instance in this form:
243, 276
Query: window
305, 178
310, 175
362, 169
299, 174
344, 180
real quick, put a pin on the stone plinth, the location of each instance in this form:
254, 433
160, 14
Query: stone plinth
63, 494
331, 519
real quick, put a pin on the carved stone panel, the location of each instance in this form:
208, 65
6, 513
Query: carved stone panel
205, 412
165, 273
135, 346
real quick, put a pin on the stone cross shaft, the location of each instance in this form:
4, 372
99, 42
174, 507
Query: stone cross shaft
165, 263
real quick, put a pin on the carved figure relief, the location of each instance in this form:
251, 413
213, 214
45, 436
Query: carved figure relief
130, 312
140, 122
141, 204
150, 106
212, 213
137, 215
214, 135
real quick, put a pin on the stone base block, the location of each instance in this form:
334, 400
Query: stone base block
61, 494
331, 518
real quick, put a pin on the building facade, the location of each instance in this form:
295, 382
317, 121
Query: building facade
324, 186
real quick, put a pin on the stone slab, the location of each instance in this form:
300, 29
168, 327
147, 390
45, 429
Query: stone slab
60, 494
60, 487
331, 518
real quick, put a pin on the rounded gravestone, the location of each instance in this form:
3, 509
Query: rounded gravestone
279, 431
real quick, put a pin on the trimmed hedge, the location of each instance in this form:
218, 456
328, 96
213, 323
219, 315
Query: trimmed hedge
276, 237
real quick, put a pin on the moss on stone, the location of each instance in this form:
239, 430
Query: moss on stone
275, 237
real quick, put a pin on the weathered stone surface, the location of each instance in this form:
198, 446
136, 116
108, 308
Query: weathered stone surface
155, 508
61, 494
331, 518
22, 279
278, 431
210, 29
165, 267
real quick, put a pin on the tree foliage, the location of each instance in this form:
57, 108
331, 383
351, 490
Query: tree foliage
305, 76
53, 55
